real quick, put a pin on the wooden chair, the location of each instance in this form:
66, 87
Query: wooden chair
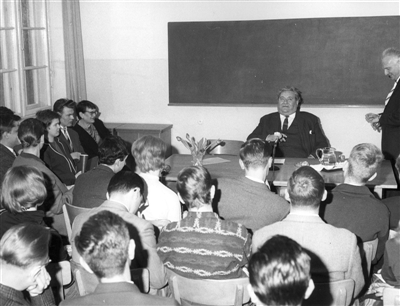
227, 147
369, 249
209, 292
391, 297
337, 293
61, 275
70, 212
141, 278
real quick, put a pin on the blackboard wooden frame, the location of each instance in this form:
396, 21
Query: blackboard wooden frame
333, 61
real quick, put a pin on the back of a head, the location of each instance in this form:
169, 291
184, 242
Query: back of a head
24, 245
306, 187
149, 153
280, 272
83, 106
112, 148
30, 131
364, 161
194, 186
47, 116
7, 121
61, 103
103, 243
125, 181
255, 153
23, 187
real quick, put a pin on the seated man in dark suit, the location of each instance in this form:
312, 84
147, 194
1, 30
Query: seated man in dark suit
299, 134
280, 273
124, 196
91, 187
9, 123
66, 109
353, 206
106, 249
247, 199
334, 252
90, 129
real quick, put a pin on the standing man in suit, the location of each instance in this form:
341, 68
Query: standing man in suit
107, 249
299, 134
66, 109
389, 121
9, 123
334, 252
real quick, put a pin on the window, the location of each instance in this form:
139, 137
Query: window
24, 54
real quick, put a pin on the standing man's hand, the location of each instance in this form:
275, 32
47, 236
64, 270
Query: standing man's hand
373, 119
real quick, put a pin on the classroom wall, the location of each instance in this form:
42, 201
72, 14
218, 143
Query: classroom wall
126, 59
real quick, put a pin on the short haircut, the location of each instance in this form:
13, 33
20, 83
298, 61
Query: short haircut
112, 148
60, 104
23, 187
47, 116
255, 153
24, 245
280, 272
306, 187
149, 153
125, 181
364, 160
8, 120
103, 243
194, 184
30, 131
391, 52
293, 89
84, 105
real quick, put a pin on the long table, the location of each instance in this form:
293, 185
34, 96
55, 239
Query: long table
230, 168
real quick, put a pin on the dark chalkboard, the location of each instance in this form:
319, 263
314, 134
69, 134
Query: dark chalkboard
333, 61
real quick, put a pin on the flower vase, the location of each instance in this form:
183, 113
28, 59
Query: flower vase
197, 159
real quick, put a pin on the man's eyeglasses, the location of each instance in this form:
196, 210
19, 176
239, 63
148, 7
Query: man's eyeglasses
92, 113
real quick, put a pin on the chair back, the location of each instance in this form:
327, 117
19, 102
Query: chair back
368, 253
227, 147
337, 293
70, 213
60, 273
391, 297
209, 291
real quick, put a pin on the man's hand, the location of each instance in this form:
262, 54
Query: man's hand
76, 155
276, 137
370, 117
42, 282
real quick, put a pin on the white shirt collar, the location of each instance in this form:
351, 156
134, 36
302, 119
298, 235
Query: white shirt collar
12, 151
290, 119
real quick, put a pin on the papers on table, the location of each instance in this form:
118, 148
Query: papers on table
320, 167
279, 161
214, 160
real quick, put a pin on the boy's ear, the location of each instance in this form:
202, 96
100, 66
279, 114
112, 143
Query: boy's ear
85, 265
310, 289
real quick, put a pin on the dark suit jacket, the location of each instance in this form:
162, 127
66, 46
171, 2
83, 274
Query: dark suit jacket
6, 161
76, 143
390, 123
89, 144
312, 136
122, 293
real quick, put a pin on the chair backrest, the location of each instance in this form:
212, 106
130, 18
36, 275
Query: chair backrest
210, 292
337, 293
70, 213
227, 147
60, 273
369, 252
391, 297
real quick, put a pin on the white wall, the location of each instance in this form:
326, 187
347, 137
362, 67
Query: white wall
126, 59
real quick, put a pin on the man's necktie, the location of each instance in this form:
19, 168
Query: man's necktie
65, 132
390, 93
285, 124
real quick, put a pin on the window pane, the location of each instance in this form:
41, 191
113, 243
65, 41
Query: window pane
34, 49
8, 54
9, 90
33, 13
7, 13
36, 82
